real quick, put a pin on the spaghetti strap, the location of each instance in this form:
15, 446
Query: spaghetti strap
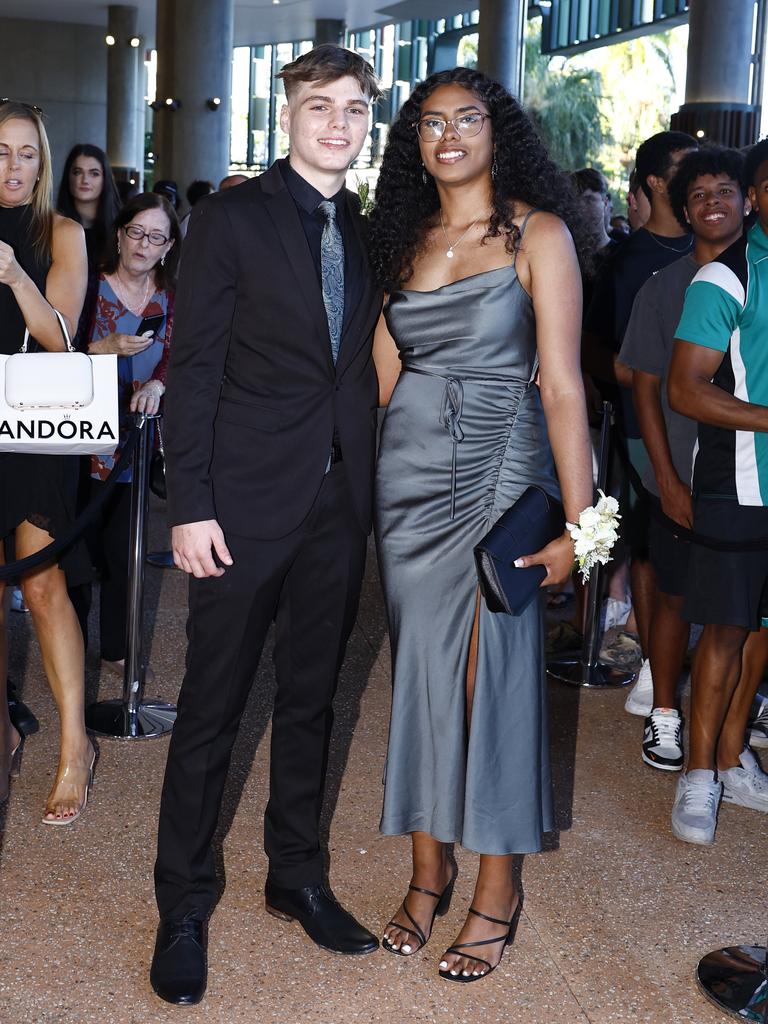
522, 228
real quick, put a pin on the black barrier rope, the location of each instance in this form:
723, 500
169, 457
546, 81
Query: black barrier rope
682, 532
86, 517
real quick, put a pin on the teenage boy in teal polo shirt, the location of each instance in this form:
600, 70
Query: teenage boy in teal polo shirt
719, 377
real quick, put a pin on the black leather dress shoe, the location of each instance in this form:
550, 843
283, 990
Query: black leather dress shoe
324, 920
180, 962
22, 719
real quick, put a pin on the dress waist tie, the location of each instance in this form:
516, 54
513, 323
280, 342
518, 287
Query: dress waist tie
452, 407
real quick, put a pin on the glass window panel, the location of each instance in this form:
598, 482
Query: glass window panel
241, 83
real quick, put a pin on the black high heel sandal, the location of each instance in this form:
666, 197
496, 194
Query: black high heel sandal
507, 939
443, 905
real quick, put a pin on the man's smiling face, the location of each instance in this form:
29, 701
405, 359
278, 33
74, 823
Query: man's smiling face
326, 123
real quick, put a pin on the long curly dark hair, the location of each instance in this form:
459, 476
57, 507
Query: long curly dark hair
404, 203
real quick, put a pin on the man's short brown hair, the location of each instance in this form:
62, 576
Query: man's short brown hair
328, 63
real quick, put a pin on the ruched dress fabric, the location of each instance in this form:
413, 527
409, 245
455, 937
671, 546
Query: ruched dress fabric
464, 435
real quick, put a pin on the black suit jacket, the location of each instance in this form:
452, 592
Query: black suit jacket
253, 395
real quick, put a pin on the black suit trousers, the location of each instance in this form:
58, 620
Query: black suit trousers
309, 581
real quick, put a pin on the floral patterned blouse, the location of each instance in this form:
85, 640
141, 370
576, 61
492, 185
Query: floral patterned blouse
112, 317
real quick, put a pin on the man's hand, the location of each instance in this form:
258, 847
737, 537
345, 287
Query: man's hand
193, 546
676, 502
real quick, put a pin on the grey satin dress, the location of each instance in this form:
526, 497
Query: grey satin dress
463, 436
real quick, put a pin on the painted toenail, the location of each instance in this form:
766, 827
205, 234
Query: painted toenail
443, 965
454, 973
406, 949
465, 973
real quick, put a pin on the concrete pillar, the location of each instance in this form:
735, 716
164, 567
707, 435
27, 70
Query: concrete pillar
717, 104
719, 51
194, 69
500, 50
122, 90
329, 30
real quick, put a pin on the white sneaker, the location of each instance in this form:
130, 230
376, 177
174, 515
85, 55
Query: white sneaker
640, 698
694, 814
746, 784
663, 740
758, 727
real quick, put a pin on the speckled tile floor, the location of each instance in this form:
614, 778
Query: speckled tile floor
617, 912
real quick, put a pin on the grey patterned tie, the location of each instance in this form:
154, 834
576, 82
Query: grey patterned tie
332, 273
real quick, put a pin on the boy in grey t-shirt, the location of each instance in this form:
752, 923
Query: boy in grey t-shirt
706, 195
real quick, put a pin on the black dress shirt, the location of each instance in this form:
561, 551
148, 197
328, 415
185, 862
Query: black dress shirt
307, 200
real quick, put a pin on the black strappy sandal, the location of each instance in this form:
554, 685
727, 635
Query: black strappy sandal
442, 907
507, 939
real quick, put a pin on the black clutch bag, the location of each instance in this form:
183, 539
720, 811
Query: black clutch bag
535, 519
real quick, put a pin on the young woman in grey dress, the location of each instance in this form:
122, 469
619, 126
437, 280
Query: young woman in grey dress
478, 361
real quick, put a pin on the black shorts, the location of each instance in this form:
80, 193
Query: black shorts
727, 588
669, 555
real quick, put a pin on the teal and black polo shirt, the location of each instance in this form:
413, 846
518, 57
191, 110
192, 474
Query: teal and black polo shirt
726, 308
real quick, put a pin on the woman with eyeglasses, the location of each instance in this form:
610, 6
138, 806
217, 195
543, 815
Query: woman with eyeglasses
478, 360
136, 283
42, 268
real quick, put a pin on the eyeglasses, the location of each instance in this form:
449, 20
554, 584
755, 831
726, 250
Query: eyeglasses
432, 129
29, 106
155, 237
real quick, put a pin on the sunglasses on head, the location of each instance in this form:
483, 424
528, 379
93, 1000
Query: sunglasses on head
29, 106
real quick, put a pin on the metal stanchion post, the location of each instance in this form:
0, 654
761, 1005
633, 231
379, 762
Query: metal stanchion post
586, 669
132, 717
735, 979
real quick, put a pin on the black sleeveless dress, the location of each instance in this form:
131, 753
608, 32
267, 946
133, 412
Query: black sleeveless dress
41, 489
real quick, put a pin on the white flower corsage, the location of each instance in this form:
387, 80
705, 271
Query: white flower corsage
595, 534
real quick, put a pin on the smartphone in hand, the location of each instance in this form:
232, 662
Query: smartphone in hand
151, 326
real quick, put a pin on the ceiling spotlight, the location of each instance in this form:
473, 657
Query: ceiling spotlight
700, 133
110, 40
213, 103
135, 42
275, 2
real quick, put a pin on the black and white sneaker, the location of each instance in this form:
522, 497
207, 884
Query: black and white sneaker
663, 740
757, 729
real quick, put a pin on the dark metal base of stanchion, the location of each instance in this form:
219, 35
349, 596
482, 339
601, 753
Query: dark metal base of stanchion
161, 559
111, 718
735, 979
597, 677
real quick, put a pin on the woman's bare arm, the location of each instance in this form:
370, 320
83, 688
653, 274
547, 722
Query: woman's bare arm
551, 273
386, 360
65, 286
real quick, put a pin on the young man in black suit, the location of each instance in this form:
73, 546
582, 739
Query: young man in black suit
270, 428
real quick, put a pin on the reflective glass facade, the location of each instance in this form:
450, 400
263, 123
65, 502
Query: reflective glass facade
402, 55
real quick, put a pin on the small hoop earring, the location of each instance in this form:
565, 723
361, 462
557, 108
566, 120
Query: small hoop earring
494, 169
162, 260
424, 174
118, 248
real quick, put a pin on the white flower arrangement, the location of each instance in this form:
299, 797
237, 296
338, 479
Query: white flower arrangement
595, 534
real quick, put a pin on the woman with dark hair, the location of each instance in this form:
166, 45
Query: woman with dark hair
478, 360
137, 281
42, 269
88, 194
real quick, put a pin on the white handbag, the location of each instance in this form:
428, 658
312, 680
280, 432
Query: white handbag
58, 403
50, 380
